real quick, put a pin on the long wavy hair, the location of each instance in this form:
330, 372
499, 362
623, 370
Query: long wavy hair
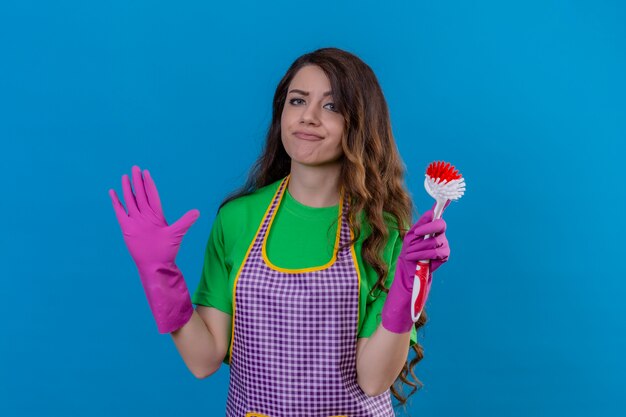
372, 172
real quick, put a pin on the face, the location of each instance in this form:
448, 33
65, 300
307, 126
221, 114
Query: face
311, 127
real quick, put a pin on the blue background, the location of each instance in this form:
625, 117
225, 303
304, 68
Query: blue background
526, 98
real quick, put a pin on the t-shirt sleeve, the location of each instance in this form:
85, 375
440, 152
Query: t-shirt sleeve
374, 309
213, 289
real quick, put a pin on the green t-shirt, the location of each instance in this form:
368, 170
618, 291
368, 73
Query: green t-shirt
300, 237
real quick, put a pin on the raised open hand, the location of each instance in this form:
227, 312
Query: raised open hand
150, 241
153, 245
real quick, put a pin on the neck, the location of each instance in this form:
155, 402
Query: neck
315, 186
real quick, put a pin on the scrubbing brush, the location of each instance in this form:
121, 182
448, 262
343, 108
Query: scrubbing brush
443, 182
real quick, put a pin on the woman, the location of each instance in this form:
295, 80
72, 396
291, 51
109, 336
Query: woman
313, 318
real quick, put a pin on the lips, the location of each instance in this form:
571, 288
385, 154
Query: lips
307, 136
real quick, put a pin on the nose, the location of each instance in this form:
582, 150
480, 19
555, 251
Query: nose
309, 115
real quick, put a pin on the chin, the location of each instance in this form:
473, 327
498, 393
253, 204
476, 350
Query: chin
316, 162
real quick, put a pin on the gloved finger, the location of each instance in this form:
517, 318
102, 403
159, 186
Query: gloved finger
436, 253
436, 263
140, 192
435, 226
424, 218
129, 197
184, 223
419, 245
430, 243
152, 194
120, 212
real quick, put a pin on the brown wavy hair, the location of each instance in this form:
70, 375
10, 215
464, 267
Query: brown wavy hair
372, 172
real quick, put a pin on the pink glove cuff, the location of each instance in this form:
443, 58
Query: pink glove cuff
167, 296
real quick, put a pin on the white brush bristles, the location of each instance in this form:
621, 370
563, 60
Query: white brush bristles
443, 190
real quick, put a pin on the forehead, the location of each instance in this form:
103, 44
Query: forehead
310, 78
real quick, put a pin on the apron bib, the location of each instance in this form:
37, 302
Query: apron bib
293, 350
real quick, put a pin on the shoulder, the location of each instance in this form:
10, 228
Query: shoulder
259, 197
390, 221
248, 210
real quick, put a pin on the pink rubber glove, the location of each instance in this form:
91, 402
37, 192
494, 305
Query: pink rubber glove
396, 314
153, 245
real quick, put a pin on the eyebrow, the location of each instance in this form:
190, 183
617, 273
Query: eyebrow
306, 93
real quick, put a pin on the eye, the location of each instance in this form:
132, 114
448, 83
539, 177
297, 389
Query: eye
332, 104
295, 101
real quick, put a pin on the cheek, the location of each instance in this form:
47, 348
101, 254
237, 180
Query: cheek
338, 132
283, 127
287, 114
336, 148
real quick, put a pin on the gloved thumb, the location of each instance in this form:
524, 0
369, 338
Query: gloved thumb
184, 223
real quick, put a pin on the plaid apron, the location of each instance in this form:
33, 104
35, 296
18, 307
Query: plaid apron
293, 350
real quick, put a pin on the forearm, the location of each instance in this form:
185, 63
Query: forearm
382, 359
197, 346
